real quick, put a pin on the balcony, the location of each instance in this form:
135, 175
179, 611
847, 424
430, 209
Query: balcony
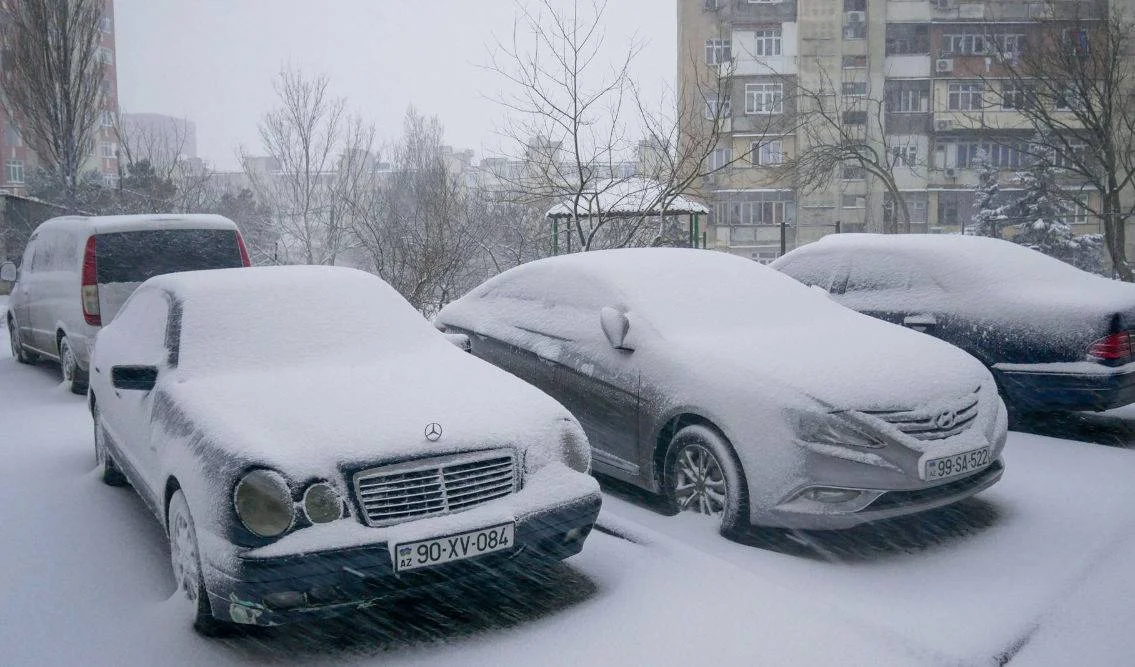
908, 66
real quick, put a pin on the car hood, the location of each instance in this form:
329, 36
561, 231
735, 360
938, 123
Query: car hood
316, 418
848, 362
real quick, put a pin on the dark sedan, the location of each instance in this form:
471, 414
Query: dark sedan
1054, 336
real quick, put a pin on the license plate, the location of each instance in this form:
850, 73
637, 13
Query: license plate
958, 464
424, 553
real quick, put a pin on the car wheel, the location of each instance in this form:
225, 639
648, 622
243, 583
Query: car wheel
186, 562
70, 366
18, 351
703, 475
108, 471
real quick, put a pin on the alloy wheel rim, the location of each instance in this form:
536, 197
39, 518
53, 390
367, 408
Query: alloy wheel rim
700, 484
183, 553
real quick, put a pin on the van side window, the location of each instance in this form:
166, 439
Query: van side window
29, 253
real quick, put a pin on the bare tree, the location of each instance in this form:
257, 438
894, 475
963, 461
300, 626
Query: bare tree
52, 81
318, 158
416, 227
837, 131
162, 146
1074, 82
564, 112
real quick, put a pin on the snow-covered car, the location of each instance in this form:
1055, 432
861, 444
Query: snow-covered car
1053, 335
738, 392
311, 443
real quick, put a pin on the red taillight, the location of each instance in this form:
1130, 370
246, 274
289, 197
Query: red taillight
243, 250
90, 287
1116, 347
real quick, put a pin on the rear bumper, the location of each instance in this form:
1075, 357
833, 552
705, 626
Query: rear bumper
275, 591
1066, 386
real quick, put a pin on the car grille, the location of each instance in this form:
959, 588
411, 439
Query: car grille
440, 485
935, 422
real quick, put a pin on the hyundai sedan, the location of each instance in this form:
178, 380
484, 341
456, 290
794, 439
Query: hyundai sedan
738, 392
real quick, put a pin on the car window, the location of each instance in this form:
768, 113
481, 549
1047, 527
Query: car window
818, 269
128, 257
142, 327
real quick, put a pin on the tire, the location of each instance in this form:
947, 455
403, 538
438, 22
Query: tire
702, 474
108, 471
186, 563
69, 365
18, 351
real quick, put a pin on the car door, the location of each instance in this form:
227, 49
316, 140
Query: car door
20, 300
139, 338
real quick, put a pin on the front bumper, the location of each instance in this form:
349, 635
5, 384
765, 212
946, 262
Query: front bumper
1066, 386
286, 589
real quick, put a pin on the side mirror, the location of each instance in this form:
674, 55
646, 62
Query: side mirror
460, 340
920, 322
615, 326
139, 378
8, 272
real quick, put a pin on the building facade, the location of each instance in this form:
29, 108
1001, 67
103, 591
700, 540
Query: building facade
906, 75
19, 161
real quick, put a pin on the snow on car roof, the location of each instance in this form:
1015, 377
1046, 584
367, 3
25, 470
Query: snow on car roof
252, 316
104, 224
676, 288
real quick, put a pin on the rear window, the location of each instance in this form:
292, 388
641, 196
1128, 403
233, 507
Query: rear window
130, 257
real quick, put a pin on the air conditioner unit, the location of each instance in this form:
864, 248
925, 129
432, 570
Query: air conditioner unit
951, 172
943, 125
857, 17
944, 65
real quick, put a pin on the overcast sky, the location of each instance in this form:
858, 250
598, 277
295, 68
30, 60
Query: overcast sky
213, 61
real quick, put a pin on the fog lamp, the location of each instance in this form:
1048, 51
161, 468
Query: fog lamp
286, 599
823, 494
321, 504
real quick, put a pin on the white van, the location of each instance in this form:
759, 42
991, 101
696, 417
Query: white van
78, 271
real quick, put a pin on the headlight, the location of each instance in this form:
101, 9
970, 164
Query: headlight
834, 429
573, 451
321, 503
264, 503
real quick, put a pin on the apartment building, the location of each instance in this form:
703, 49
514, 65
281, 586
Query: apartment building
907, 75
19, 161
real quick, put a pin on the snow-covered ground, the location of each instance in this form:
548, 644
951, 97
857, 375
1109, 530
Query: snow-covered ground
1036, 570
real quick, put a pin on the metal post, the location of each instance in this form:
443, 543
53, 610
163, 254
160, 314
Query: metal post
838, 226
783, 235
555, 236
703, 239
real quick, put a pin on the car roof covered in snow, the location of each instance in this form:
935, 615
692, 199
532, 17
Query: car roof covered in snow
250, 316
106, 224
676, 288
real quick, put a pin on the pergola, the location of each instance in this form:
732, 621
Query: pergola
628, 198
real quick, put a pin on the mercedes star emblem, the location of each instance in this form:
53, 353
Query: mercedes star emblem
433, 431
946, 420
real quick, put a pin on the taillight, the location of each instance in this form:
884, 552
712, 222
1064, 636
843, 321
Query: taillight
90, 287
243, 250
1116, 347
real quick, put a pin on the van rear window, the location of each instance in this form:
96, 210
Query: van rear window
130, 257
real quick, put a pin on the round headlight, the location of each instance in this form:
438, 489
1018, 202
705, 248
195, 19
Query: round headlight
264, 503
321, 504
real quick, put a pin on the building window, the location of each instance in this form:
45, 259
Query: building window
854, 62
15, 171
906, 156
965, 154
12, 135
852, 172
106, 25
767, 153
767, 42
905, 39
770, 208
106, 118
764, 98
853, 201
110, 181
718, 51
855, 88
717, 107
108, 150
964, 43
907, 96
106, 56
1014, 96
854, 117
719, 158
966, 96
1077, 41
1075, 213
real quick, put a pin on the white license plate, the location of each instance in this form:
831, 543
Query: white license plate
958, 464
424, 553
